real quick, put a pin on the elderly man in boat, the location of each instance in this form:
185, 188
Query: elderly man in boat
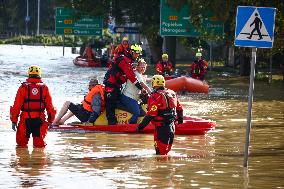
90, 108
130, 96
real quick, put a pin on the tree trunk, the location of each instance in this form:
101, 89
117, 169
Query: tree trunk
283, 72
155, 45
171, 49
244, 64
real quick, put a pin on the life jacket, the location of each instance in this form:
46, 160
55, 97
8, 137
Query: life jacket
159, 68
87, 102
199, 67
167, 108
115, 77
164, 67
33, 101
121, 50
167, 66
196, 69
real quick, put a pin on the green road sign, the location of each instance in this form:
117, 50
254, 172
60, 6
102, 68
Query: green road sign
67, 23
177, 23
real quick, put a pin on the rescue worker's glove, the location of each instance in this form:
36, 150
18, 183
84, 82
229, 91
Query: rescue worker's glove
180, 116
138, 85
93, 117
138, 130
147, 119
14, 126
144, 97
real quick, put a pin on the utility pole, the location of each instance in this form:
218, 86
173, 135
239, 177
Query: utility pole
38, 15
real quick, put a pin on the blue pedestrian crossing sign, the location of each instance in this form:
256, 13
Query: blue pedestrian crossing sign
255, 27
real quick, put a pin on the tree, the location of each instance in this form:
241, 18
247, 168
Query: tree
225, 10
144, 13
13, 14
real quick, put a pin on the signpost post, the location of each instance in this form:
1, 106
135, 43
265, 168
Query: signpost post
254, 28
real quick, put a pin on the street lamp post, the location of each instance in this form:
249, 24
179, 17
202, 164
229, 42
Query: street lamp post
38, 15
27, 19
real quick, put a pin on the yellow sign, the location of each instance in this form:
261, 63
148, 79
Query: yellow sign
67, 21
173, 17
67, 30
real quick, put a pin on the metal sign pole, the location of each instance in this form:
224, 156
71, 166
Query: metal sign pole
250, 100
210, 56
270, 68
63, 44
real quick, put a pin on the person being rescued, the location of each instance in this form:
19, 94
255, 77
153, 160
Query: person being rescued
88, 52
163, 109
118, 73
199, 67
31, 101
89, 55
122, 48
90, 108
131, 94
164, 67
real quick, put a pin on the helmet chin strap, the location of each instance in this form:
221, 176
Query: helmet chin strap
34, 76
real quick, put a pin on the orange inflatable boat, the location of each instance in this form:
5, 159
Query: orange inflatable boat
187, 84
82, 62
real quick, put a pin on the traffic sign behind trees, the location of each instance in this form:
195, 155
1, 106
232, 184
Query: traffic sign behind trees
177, 23
70, 22
122, 29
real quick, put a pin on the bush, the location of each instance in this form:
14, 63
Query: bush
261, 76
48, 40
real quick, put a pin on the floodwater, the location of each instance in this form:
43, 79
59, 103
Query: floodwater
99, 160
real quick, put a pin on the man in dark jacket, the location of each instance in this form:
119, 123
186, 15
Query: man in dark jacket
120, 70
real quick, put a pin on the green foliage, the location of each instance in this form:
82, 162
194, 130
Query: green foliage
146, 15
57, 40
48, 40
261, 76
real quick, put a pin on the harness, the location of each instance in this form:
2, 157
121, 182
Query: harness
113, 71
166, 66
198, 67
35, 103
168, 112
88, 98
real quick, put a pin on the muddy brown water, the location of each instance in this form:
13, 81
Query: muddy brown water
100, 160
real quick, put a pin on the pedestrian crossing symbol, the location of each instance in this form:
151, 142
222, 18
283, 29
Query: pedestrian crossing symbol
255, 27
